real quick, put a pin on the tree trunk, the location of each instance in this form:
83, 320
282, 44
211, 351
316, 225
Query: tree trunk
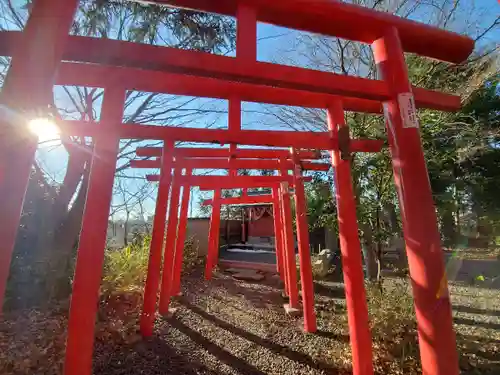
390, 211
45, 248
64, 245
369, 253
125, 231
448, 228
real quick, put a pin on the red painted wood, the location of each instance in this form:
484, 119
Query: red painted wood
170, 241
314, 140
242, 153
223, 181
180, 84
423, 245
213, 236
357, 310
246, 32
278, 233
249, 199
234, 123
335, 18
289, 247
284, 250
199, 163
306, 278
90, 254
104, 51
258, 91
156, 246
29, 81
27, 86
228, 184
181, 237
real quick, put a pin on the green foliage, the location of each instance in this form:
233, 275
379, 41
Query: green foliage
321, 205
125, 269
390, 310
156, 24
462, 153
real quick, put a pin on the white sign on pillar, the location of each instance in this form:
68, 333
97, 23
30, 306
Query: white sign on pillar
408, 110
298, 170
284, 187
387, 116
397, 170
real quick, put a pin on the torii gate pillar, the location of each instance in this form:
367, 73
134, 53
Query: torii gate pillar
213, 235
156, 246
29, 82
357, 310
423, 244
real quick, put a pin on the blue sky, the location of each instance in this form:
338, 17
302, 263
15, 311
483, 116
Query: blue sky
275, 44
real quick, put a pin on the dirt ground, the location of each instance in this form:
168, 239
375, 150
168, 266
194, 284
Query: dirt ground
233, 327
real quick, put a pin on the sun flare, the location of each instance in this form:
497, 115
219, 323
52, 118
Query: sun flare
45, 129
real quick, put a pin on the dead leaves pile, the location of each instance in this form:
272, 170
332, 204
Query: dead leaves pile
33, 342
118, 318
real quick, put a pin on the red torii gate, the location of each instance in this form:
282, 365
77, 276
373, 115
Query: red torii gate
171, 282
34, 71
207, 163
283, 231
240, 153
246, 199
217, 183
285, 253
242, 200
211, 182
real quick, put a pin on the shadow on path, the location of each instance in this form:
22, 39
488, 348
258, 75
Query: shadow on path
473, 322
153, 356
478, 355
274, 347
474, 310
258, 297
223, 355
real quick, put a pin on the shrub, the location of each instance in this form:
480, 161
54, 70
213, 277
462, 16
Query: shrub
191, 258
125, 269
391, 310
393, 324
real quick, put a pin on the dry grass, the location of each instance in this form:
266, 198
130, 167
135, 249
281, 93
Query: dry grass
393, 328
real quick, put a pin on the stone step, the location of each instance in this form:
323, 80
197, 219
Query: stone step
250, 275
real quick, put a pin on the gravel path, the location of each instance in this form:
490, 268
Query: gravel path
233, 327
230, 327
476, 313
